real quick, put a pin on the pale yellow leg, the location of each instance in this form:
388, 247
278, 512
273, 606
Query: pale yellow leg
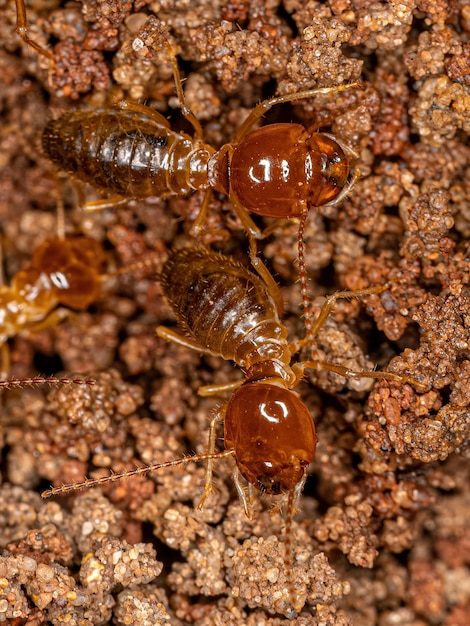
136, 107
170, 335
263, 107
219, 417
22, 30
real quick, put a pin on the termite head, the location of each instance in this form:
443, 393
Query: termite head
281, 170
273, 436
70, 268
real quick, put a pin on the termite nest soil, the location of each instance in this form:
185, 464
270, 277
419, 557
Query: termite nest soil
383, 533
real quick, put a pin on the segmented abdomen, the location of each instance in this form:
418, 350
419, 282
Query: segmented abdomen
120, 152
222, 305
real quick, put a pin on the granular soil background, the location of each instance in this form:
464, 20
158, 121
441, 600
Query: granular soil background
382, 536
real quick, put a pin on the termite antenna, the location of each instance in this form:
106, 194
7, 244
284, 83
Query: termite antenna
307, 311
138, 471
144, 264
292, 500
14, 383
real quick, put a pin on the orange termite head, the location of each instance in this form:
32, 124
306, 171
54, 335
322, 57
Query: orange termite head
273, 436
72, 266
281, 170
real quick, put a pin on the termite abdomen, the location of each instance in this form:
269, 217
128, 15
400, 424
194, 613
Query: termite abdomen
126, 154
221, 304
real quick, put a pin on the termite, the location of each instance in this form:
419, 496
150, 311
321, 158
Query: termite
279, 171
228, 311
64, 273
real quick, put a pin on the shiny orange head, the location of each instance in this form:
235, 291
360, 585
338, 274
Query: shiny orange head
273, 435
73, 267
281, 170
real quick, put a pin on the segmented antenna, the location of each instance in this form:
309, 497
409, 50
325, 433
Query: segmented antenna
15, 383
307, 310
292, 498
138, 471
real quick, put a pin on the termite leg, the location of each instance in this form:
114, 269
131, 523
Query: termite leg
22, 30
206, 390
271, 284
105, 203
247, 223
60, 217
200, 220
313, 327
5, 361
341, 370
169, 335
136, 107
263, 107
51, 321
219, 417
331, 300
213, 390
241, 491
185, 110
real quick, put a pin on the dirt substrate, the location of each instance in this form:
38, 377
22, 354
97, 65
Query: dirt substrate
382, 536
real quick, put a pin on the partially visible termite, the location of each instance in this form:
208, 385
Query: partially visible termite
64, 272
280, 170
228, 311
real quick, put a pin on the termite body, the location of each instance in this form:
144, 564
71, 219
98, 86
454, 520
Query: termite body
280, 171
228, 311
65, 273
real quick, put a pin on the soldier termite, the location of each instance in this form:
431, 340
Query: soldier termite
279, 171
228, 311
